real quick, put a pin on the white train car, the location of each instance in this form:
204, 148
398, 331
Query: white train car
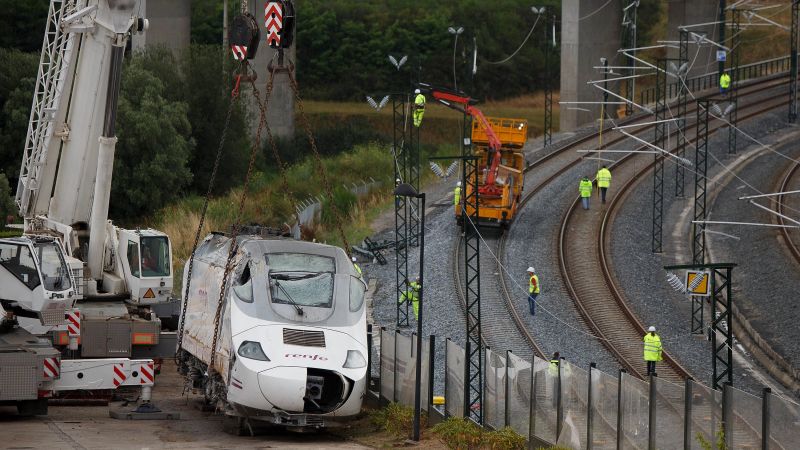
292, 347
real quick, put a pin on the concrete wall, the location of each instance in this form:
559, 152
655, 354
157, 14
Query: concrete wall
170, 24
590, 30
280, 115
682, 12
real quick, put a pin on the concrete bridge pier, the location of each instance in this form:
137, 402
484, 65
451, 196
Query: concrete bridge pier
590, 31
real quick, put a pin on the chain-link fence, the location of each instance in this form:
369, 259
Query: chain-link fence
556, 402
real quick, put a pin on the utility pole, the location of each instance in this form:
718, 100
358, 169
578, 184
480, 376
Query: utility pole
733, 91
683, 91
660, 142
700, 186
548, 85
629, 41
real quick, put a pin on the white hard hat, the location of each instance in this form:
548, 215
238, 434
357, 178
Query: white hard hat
652, 328
353, 258
417, 91
458, 184
530, 269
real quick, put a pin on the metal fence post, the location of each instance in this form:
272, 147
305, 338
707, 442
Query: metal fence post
590, 409
446, 372
394, 381
369, 358
619, 410
506, 403
431, 371
765, 417
532, 406
687, 415
727, 413
380, 370
559, 406
652, 421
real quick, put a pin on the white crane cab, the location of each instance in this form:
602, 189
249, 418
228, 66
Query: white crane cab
144, 266
35, 278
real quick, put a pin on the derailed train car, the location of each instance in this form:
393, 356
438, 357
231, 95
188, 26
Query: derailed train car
292, 344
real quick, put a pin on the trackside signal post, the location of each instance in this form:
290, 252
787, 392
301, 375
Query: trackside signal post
721, 329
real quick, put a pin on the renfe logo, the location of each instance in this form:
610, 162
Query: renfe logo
311, 357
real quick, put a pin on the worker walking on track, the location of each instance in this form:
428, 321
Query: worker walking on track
585, 189
457, 195
412, 294
419, 107
724, 83
652, 350
533, 289
603, 182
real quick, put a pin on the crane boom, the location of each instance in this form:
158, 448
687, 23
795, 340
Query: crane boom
450, 100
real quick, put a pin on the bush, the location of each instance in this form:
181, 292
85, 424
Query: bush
458, 433
396, 419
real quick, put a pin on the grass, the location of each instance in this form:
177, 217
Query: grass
460, 433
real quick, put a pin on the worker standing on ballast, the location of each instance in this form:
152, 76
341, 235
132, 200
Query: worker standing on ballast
585, 188
457, 195
419, 107
652, 350
412, 294
533, 290
603, 182
724, 82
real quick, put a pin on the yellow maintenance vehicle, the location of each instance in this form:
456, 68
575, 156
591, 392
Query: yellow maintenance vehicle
498, 143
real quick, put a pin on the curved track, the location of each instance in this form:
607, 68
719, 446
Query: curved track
502, 326
787, 233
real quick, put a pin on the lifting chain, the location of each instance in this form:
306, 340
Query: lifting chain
235, 232
275, 154
320, 166
211, 181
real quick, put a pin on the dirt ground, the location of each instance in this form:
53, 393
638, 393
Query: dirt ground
91, 427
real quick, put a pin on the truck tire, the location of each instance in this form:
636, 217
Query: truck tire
32, 407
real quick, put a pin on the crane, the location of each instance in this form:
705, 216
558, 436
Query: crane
73, 274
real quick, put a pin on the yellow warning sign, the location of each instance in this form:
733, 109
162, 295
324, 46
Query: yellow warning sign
149, 293
697, 283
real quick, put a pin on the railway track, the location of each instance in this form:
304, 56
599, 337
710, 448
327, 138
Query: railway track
789, 236
501, 316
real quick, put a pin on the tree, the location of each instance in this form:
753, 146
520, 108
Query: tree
23, 24
150, 168
17, 81
7, 206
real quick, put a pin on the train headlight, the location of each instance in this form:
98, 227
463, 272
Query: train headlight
252, 350
355, 360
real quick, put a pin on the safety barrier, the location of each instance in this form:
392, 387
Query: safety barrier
577, 408
711, 80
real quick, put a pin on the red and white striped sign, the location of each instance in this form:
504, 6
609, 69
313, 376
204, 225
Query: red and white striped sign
52, 368
119, 374
74, 322
239, 52
273, 21
148, 372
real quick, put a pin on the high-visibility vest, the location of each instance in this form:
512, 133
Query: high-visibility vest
533, 285
456, 195
725, 81
603, 178
419, 101
652, 347
553, 367
585, 187
358, 269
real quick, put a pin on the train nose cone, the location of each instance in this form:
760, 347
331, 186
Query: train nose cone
284, 387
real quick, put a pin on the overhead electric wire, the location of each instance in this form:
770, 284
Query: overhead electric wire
520, 46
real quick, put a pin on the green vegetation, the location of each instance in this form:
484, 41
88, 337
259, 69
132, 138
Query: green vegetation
396, 419
719, 445
459, 433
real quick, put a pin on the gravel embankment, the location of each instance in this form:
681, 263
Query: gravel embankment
641, 274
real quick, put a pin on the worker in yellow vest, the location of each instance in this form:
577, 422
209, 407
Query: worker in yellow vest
412, 294
533, 290
724, 83
603, 182
419, 107
652, 350
358, 269
457, 195
585, 188
554, 364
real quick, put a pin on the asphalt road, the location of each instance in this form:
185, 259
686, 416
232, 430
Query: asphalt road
91, 427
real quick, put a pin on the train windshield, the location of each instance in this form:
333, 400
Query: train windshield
301, 280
